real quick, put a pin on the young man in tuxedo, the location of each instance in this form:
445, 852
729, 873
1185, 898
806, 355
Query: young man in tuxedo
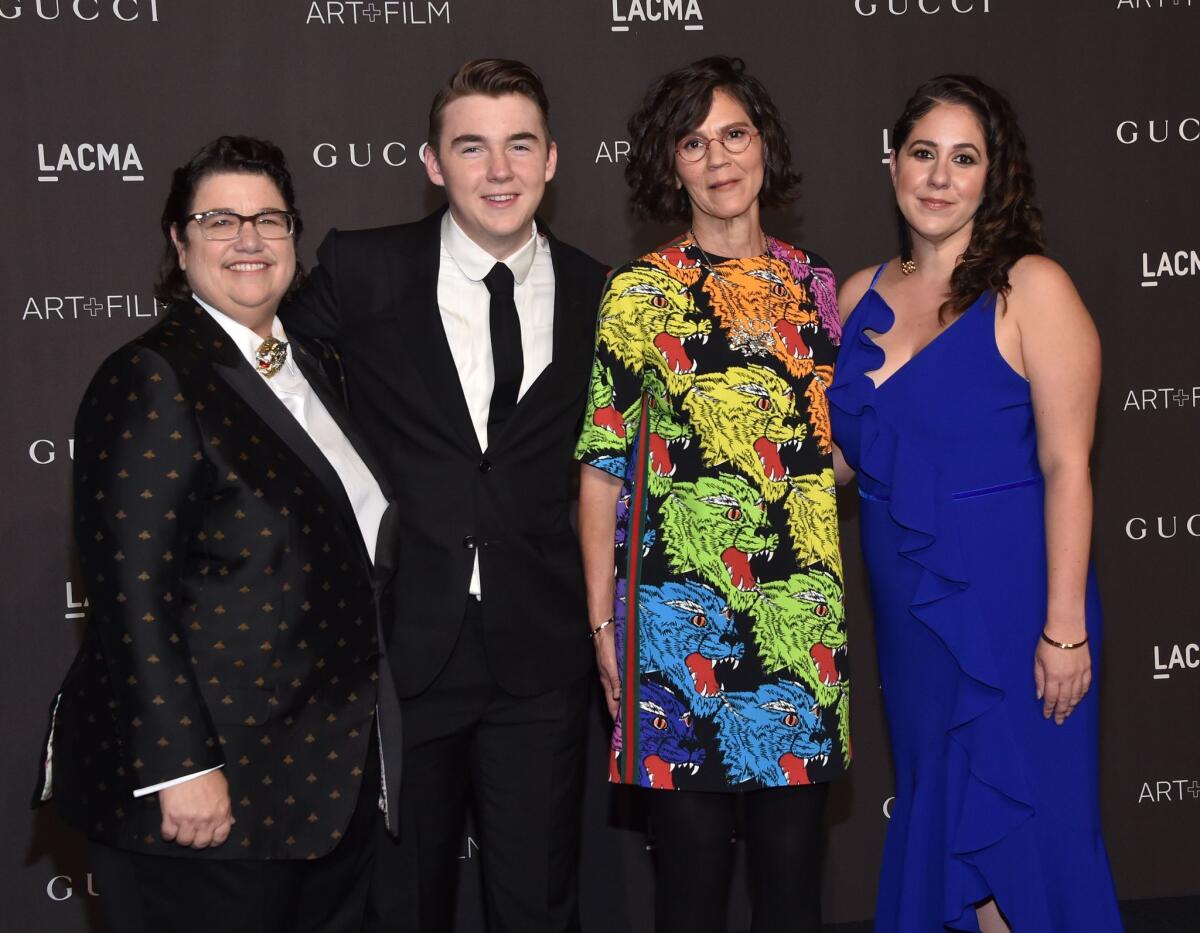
467, 339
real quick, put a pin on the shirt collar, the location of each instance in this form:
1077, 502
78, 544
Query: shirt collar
475, 262
243, 337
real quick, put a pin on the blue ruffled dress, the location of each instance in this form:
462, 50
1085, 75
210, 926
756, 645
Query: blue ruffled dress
992, 800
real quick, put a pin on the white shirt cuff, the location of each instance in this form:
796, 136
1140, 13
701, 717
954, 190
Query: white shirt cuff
155, 788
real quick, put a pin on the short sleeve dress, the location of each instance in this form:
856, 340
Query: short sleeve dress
707, 400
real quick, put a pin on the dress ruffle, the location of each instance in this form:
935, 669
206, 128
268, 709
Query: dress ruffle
982, 820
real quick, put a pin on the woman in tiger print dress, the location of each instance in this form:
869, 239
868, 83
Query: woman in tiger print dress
718, 617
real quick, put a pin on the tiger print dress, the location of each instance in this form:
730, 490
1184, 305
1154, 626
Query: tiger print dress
707, 400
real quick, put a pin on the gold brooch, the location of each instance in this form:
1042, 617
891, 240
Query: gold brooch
270, 356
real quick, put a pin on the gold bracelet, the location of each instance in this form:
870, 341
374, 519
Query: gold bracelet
601, 627
1066, 646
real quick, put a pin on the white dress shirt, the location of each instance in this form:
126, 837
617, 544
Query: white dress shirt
291, 388
465, 305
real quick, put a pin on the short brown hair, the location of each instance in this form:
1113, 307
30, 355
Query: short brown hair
244, 154
491, 77
675, 105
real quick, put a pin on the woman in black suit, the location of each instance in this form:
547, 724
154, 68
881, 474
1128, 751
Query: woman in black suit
216, 735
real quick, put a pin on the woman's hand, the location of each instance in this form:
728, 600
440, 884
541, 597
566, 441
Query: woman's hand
598, 493
1063, 676
1047, 335
197, 813
606, 664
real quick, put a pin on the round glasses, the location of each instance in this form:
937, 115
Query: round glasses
735, 139
227, 225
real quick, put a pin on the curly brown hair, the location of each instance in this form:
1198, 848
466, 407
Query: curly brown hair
673, 107
1008, 224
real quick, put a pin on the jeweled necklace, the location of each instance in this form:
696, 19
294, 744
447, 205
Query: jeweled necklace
741, 338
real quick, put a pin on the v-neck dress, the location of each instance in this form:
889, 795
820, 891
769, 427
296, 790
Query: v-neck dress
992, 800
708, 402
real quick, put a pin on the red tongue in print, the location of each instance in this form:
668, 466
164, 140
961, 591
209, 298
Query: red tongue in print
827, 671
610, 419
672, 349
703, 674
768, 453
660, 456
738, 564
614, 772
793, 767
678, 258
659, 771
792, 339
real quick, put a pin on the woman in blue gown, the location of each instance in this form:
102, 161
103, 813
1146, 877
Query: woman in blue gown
965, 400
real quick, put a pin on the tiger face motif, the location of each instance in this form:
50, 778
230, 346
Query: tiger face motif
747, 416
767, 313
648, 317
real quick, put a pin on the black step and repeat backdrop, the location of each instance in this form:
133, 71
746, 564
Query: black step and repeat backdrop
100, 99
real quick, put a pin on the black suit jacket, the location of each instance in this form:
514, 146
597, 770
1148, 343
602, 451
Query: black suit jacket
234, 606
375, 295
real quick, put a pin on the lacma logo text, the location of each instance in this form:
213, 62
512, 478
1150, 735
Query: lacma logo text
89, 157
1175, 658
1177, 264
640, 12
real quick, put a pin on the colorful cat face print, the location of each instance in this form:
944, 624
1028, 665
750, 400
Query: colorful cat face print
746, 415
772, 735
708, 401
669, 738
644, 301
688, 635
715, 526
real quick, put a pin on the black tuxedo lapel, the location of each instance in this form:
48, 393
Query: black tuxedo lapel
317, 379
415, 286
384, 564
241, 377
388, 720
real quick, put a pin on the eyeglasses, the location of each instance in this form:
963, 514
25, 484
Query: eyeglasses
227, 225
735, 139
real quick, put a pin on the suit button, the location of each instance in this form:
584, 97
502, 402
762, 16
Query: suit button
469, 542
485, 466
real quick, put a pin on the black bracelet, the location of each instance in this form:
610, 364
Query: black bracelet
601, 627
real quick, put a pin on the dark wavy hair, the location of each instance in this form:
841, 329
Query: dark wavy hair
223, 154
673, 107
1008, 224
491, 77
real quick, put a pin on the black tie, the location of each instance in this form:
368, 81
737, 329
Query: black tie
507, 357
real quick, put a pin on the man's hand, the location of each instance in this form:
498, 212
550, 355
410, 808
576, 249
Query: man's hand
197, 813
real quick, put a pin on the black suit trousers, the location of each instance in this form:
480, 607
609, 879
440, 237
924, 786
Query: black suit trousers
142, 893
517, 763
